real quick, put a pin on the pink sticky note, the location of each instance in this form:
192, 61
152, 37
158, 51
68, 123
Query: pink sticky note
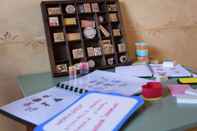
177, 89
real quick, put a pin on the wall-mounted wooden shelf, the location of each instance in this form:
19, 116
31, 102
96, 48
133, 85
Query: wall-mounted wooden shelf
74, 26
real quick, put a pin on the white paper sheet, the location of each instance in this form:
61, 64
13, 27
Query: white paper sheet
40, 107
194, 75
109, 82
176, 71
141, 70
94, 112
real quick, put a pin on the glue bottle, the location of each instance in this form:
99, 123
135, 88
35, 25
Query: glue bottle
84, 68
72, 72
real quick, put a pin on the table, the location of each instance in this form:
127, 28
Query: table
162, 115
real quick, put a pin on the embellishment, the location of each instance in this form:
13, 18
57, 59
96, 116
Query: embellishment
123, 59
112, 7
91, 63
73, 36
87, 8
58, 37
58, 99
54, 11
61, 68
90, 51
95, 7
89, 33
122, 48
70, 9
107, 47
110, 61
87, 23
104, 31
116, 32
97, 51
53, 21
113, 17
78, 53
70, 21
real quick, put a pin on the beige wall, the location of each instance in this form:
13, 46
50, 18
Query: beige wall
169, 26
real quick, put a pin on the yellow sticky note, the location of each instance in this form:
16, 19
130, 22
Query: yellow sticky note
70, 21
188, 80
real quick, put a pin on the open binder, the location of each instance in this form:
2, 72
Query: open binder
94, 112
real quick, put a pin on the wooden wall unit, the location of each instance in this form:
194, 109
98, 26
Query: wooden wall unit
84, 30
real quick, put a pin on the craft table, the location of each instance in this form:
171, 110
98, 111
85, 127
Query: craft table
162, 115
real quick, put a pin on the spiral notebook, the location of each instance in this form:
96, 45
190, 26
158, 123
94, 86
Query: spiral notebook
105, 82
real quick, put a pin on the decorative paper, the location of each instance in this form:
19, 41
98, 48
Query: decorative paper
70, 21
90, 51
87, 8
73, 36
116, 32
53, 21
95, 7
107, 47
87, 23
112, 7
122, 47
58, 37
113, 17
97, 51
78, 53
54, 11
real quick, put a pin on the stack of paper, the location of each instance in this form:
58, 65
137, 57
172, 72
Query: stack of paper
149, 70
141, 70
183, 93
176, 71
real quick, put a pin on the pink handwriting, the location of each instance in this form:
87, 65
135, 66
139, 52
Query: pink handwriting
98, 125
82, 124
111, 109
75, 110
95, 103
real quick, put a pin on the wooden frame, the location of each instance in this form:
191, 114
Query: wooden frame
76, 29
